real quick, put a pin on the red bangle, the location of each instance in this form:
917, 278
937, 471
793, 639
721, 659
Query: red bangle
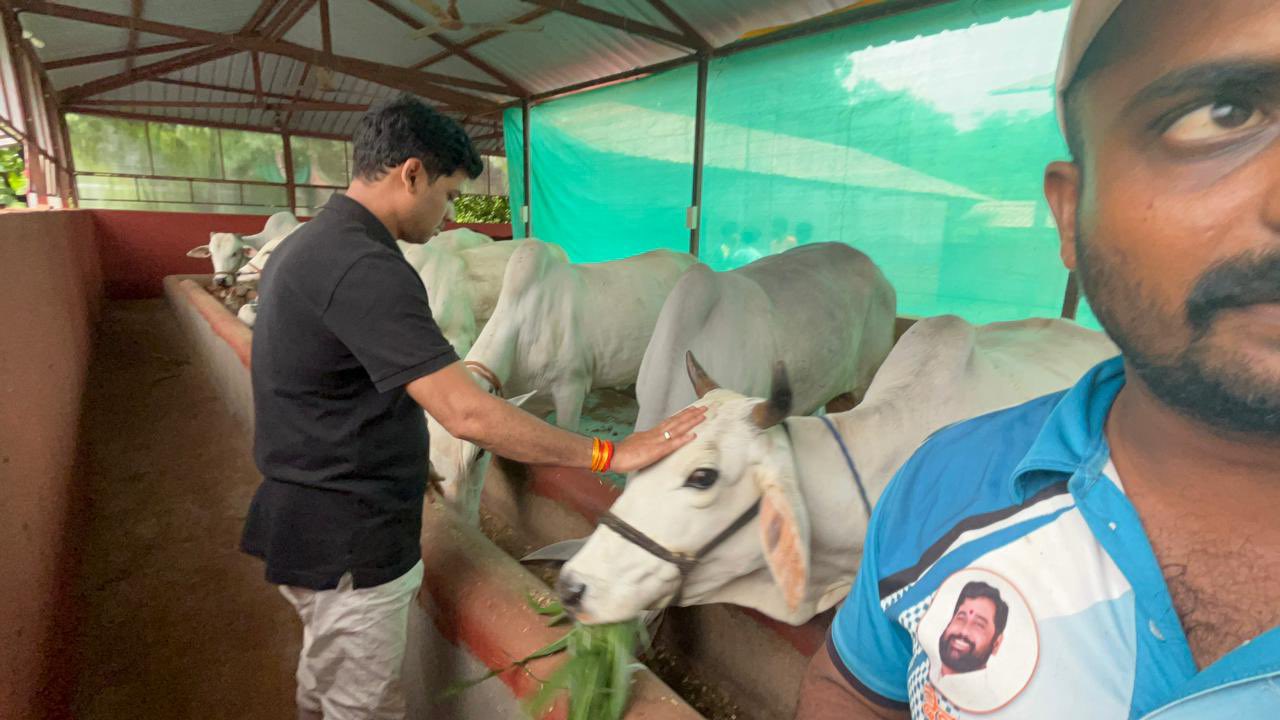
608, 457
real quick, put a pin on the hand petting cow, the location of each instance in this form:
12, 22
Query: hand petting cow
558, 331
794, 509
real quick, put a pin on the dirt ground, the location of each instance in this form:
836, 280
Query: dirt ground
175, 621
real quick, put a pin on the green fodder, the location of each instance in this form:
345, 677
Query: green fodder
596, 674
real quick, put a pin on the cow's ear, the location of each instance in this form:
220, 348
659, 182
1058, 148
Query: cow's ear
199, 252
784, 531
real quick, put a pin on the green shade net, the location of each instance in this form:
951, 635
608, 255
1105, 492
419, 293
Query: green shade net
513, 142
920, 139
613, 168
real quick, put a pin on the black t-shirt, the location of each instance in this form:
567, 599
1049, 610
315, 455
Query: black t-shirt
343, 325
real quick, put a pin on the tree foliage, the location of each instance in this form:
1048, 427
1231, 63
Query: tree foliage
14, 188
482, 209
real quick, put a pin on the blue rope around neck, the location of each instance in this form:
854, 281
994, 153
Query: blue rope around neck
848, 459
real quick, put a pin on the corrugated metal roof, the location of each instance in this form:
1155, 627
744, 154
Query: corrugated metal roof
569, 50
556, 50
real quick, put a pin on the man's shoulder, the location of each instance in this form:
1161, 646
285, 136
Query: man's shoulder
322, 251
961, 471
329, 237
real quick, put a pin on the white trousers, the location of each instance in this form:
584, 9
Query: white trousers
353, 643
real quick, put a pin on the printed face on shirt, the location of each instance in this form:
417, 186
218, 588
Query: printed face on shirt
980, 639
971, 637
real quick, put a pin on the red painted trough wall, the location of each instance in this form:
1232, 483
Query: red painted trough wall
139, 248
49, 301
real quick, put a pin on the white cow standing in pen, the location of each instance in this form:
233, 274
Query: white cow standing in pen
824, 309
558, 331
767, 512
463, 284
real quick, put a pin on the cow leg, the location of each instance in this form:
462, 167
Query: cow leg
472, 490
568, 398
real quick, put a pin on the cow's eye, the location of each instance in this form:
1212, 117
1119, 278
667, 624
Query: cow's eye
702, 478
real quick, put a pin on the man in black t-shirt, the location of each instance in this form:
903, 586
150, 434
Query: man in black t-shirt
346, 356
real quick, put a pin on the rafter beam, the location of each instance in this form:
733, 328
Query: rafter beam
287, 120
326, 32
387, 75
124, 115
119, 55
482, 37
513, 88
282, 12
257, 75
691, 34
218, 88
264, 9
292, 17
144, 72
292, 106
613, 20
132, 46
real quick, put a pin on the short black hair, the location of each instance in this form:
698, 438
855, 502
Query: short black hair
978, 589
396, 130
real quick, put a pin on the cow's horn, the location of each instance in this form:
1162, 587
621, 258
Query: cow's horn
776, 409
702, 383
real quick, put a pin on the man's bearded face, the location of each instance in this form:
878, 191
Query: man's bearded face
969, 639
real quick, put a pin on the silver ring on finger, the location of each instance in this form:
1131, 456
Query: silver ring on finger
666, 435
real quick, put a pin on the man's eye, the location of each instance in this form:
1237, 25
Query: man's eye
1215, 122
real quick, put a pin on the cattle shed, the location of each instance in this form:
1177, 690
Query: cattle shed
913, 130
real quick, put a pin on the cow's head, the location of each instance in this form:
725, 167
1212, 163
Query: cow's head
229, 252
461, 465
741, 458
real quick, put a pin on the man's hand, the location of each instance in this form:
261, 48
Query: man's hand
642, 449
470, 413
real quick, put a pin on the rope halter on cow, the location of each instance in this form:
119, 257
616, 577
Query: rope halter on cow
766, 415
684, 562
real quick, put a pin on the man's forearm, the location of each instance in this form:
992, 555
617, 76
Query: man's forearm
469, 413
505, 430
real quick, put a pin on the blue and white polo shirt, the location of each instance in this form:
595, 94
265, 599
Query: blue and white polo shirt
1006, 575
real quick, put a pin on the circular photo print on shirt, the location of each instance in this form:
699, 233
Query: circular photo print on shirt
981, 639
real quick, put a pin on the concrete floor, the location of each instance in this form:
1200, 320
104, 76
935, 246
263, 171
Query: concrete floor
176, 622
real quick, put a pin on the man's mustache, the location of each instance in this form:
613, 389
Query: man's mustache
1239, 282
946, 641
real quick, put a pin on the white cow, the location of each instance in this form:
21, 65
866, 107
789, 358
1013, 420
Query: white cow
229, 251
452, 241
800, 555
248, 312
824, 309
463, 283
251, 271
558, 331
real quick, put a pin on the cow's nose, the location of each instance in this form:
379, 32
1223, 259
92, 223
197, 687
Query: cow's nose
570, 591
